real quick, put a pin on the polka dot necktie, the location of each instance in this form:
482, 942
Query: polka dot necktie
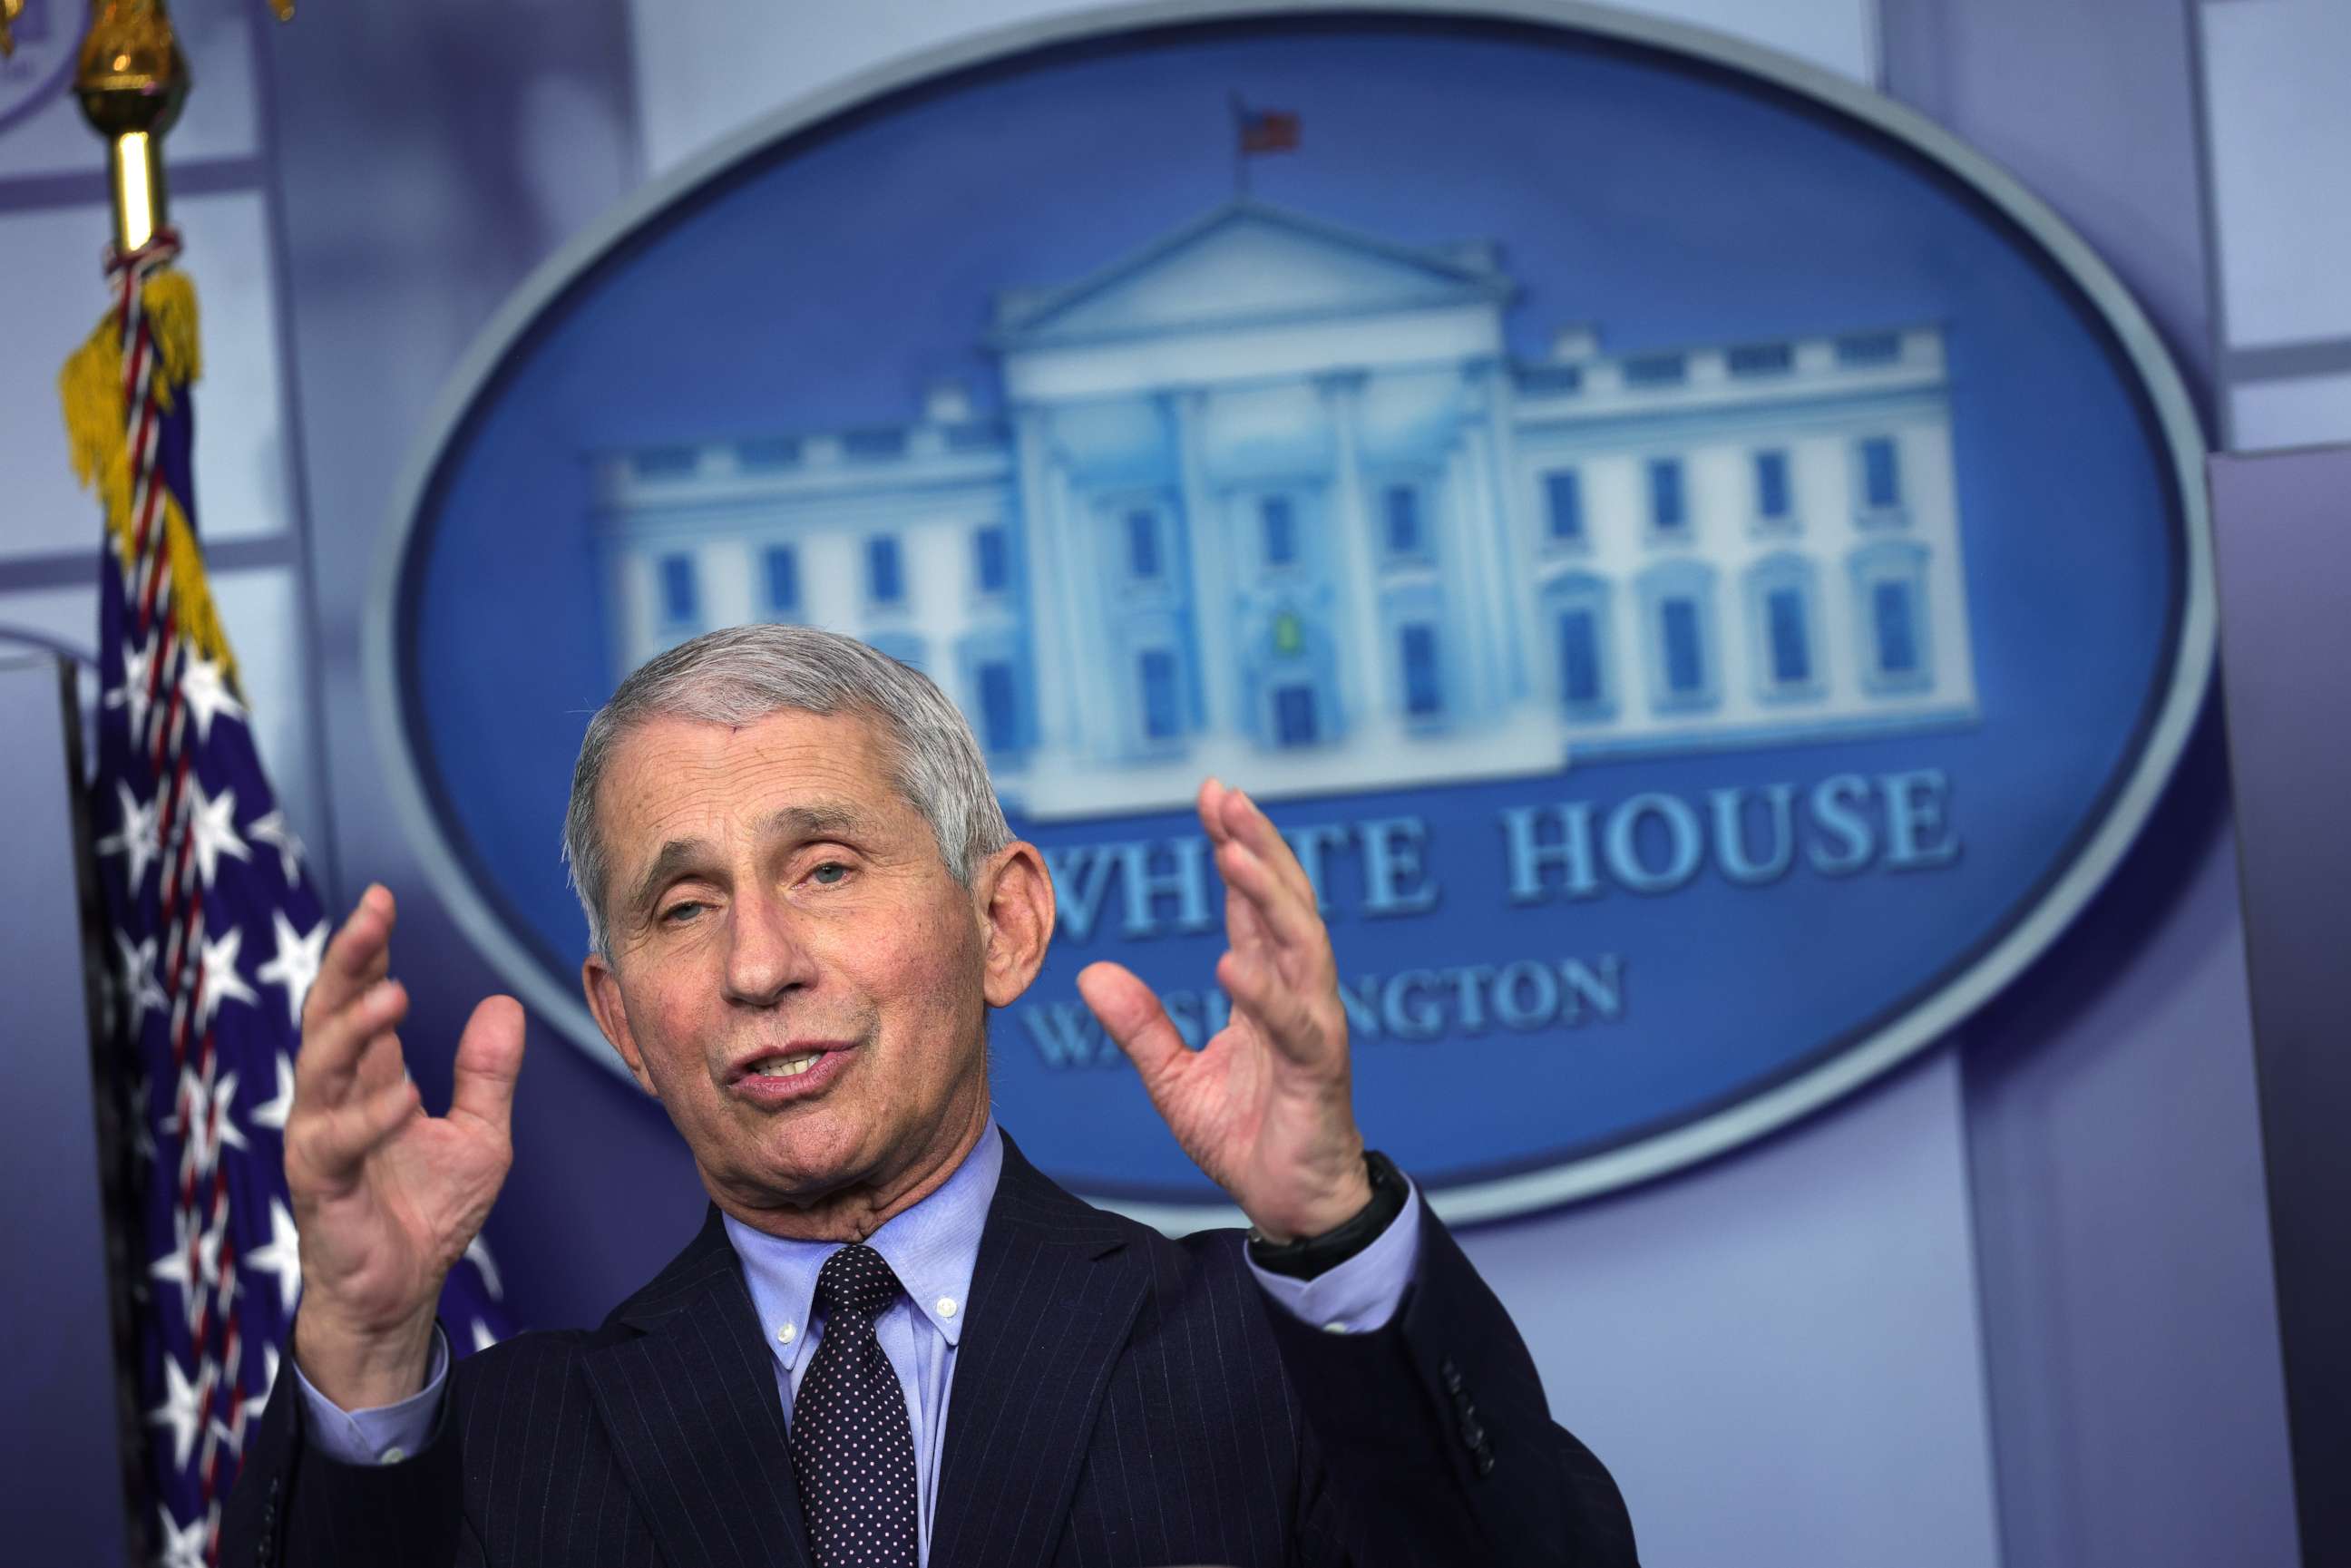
852, 1449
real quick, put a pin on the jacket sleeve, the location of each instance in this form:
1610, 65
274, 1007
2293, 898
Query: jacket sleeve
1431, 1441
297, 1505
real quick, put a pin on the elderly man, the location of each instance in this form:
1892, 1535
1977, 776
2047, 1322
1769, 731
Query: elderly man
895, 1342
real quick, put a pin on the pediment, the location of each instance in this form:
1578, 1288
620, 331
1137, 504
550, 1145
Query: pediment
1248, 262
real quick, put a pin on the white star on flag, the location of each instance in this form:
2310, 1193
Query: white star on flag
206, 694
141, 835
222, 982
141, 990
212, 823
272, 1113
271, 829
138, 665
181, 1548
282, 1255
178, 1411
477, 1253
213, 1105
173, 1267
297, 964
483, 1337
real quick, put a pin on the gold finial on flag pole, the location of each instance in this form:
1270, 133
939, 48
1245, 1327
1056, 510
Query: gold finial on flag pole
131, 79
9, 11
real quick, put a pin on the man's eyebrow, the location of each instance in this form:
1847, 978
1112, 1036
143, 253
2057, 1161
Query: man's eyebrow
675, 855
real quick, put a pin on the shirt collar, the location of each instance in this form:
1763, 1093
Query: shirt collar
932, 1247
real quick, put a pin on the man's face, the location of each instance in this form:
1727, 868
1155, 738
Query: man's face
793, 971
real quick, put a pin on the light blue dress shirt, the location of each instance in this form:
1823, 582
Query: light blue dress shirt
932, 1247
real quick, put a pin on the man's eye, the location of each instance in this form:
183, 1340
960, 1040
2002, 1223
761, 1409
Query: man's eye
678, 914
828, 873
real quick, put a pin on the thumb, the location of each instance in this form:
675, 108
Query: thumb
489, 1060
1131, 1014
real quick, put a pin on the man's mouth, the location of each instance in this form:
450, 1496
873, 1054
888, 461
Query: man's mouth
777, 1077
784, 1066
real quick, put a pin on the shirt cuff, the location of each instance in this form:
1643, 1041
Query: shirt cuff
1360, 1295
386, 1434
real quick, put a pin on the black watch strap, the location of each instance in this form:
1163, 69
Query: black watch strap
1313, 1255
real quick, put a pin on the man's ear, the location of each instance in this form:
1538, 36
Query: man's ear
1014, 893
603, 989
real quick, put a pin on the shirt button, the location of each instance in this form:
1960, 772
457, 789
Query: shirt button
1334, 1328
784, 1335
394, 1455
947, 1306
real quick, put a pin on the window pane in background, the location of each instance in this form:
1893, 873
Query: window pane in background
1158, 693
884, 583
1563, 494
783, 580
1422, 694
1141, 544
994, 560
1579, 655
1000, 711
1403, 510
1280, 531
1665, 507
1881, 476
1771, 484
679, 597
1898, 643
1684, 670
1791, 655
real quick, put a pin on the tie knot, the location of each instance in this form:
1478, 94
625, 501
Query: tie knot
856, 1280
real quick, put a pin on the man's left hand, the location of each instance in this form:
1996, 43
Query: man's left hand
1265, 1108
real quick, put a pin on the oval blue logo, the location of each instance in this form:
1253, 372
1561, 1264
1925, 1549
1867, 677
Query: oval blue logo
1709, 574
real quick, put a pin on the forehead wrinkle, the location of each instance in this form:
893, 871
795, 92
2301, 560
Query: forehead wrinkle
819, 819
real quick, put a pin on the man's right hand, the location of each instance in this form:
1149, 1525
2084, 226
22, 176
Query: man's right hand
386, 1197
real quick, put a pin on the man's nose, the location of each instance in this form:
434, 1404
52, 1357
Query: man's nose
765, 956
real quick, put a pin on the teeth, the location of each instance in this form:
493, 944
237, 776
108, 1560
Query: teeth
787, 1066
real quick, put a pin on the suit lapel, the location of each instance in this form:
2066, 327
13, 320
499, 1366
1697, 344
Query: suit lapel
1053, 1298
690, 1403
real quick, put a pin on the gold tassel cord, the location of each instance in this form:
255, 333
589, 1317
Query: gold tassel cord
91, 387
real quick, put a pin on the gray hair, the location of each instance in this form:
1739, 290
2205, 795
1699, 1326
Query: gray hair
743, 675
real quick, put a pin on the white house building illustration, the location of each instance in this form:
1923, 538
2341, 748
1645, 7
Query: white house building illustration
1272, 499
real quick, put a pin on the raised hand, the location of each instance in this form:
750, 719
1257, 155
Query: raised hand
386, 1197
1266, 1107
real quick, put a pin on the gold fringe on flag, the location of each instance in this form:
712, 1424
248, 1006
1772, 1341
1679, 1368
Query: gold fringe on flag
96, 430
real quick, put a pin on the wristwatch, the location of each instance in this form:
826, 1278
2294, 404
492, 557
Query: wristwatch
1312, 1255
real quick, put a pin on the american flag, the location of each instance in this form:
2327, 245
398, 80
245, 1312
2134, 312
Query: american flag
216, 931
1265, 130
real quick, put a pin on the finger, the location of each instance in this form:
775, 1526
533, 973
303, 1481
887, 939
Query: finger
1131, 1014
334, 1144
380, 1064
489, 1060
1283, 1014
1286, 914
1213, 791
358, 957
1246, 822
334, 1046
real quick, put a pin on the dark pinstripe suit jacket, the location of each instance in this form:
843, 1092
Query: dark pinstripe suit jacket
1119, 1398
